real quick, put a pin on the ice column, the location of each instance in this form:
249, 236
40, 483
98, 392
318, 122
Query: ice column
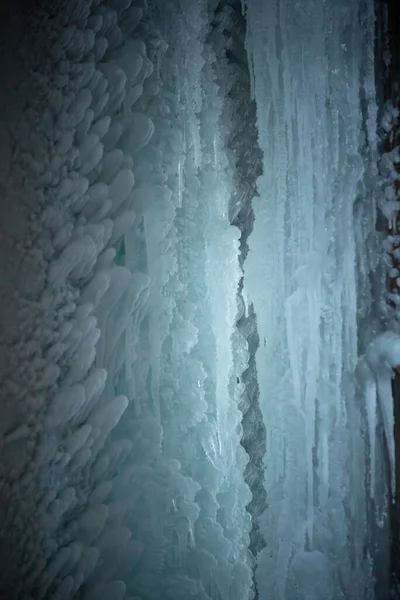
308, 68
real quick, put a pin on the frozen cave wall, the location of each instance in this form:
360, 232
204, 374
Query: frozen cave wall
125, 479
313, 81
185, 301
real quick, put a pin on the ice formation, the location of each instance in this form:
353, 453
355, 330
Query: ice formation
192, 403
305, 251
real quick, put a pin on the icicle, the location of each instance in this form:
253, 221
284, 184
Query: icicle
180, 183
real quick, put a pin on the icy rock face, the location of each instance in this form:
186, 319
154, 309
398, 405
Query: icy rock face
129, 390
388, 204
301, 276
126, 479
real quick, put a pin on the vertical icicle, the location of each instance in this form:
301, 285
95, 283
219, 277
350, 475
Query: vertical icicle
309, 64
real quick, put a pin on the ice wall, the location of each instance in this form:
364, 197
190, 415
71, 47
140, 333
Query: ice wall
313, 81
122, 468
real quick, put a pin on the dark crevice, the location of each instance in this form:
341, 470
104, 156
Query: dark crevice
228, 39
254, 433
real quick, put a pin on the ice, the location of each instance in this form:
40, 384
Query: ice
109, 18
65, 142
51, 374
122, 224
129, 302
61, 505
66, 587
58, 563
120, 277
112, 136
100, 94
111, 164
94, 384
106, 259
71, 190
132, 18
82, 74
106, 418
114, 37
112, 545
131, 98
101, 127
121, 186
139, 130
130, 61
66, 404
84, 357
97, 287
144, 426
78, 439
100, 48
62, 236
100, 104
76, 112
91, 153
312, 573
92, 522
390, 114
76, 260
84, 126
301, 275
103, 591
371, 407
383, 355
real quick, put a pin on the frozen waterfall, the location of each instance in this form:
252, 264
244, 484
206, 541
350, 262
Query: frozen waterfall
313, 72
196, 348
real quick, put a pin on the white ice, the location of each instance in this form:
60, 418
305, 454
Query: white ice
302, 277
128, 476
